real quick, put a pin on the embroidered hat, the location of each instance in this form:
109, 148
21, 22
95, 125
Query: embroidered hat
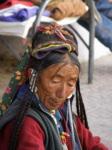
53, 38
50, 38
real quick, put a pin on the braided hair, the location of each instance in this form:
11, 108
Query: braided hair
38, 66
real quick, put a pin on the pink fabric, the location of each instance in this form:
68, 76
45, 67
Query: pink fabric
10, 3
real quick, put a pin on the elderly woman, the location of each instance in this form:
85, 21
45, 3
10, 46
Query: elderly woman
40, 96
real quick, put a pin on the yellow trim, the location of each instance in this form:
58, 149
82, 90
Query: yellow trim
49, 46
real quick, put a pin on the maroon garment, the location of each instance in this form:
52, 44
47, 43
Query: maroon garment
32, 137
88, 142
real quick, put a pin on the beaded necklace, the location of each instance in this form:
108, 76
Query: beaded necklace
63, 135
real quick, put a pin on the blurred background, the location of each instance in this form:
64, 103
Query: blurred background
97, 96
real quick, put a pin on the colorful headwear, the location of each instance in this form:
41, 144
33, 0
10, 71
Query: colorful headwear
53, 38
50, 38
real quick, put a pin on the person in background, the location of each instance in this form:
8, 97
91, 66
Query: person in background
103, 27
36, 109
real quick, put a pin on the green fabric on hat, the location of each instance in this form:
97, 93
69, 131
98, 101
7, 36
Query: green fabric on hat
18, 78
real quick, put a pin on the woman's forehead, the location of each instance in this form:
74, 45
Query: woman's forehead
62, 69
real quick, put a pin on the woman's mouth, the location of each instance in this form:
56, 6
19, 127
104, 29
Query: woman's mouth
54, 102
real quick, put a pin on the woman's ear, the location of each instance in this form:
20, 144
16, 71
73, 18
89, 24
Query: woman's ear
30, 70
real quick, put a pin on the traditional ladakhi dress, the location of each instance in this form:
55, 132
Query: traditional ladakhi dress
41, 130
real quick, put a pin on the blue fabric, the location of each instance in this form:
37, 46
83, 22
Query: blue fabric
23, 14
103, 30
64, 110
59, 120
58, 115
104, 7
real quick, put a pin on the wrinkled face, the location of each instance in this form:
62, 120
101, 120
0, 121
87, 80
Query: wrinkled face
56, 83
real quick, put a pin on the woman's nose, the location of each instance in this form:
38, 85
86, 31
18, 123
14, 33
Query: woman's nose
61, 91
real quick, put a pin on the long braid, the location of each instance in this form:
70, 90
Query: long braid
17, 124
80, 106
25, 104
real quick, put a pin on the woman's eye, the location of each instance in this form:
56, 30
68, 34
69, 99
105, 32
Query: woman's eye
55, 81
71, 85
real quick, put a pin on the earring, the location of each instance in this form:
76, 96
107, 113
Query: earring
32, 81
36, 89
